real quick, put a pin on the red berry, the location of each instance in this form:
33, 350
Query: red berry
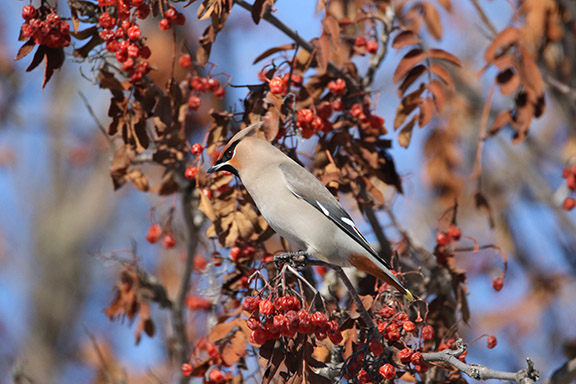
191, 172
442, 238
180, 19
133, 51
338, 105
213, 84
372, 46
376, 348
492, 341
462, 357
417, 358
134, 32
154, 233
427, 332
185, 61
568, 204
304, 117
200, 262
195, 302
235, 253
498, 283
106, 21
421, 368
128, 64
164, 25
142, 11
360, 41
404, 355
356, 110
187, 369
571, 182
199, 84
253, 323
408, 326
337, 87
455, 232
145, 52
277, 86
304, 320
219, 92
266, 307
387, 371
251, 304
29, 12
319, 319
197, 149
392, 333
363, 377
258, 336
566, 172
216, 376
194, 102
168, 241
170, 14
386, 312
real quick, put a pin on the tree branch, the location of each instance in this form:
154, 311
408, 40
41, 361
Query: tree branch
565, 374
479, 372
178, 313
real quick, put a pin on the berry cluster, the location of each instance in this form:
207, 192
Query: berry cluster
245, 252
123, 37
171, 16
285, 317
154, 233
45, 27
364, 45
569, 173
216, 376
443, 241
199, 85
279, 85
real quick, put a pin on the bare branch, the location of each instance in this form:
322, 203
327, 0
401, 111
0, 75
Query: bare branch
480, 372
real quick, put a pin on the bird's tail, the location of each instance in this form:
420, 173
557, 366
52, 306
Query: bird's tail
364, 264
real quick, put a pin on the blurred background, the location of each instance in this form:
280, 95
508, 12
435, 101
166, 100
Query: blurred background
63, 228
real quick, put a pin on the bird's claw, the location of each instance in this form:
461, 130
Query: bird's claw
294, 259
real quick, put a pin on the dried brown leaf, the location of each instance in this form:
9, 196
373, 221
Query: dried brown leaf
426, 112
432, 20
407, 63
443, 74
413, 75
508, 37
500, 121
271, 51
438, 91
405, 38
441, 54
407, 105
136, 176
25, 49
235, 349
405, 135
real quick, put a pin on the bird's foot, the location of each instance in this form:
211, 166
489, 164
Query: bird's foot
295, 259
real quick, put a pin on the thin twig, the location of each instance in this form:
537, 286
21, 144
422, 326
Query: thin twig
377, 59
98, 123
482, 135
105, 368
484, 17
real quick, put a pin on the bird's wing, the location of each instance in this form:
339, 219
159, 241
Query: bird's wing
305, 186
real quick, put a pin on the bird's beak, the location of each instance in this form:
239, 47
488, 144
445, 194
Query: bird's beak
217, 166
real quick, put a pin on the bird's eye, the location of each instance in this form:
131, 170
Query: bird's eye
229, 153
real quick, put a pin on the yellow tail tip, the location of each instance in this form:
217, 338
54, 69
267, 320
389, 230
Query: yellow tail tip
409, 295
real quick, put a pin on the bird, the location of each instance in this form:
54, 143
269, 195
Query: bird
299, 207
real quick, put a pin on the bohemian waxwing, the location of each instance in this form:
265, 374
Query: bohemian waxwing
299, 207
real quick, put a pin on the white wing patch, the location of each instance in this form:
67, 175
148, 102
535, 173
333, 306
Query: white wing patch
324, 210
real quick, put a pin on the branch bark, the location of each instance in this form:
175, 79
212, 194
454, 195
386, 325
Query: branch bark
479, 372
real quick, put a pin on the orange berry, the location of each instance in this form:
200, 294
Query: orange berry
154, 233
